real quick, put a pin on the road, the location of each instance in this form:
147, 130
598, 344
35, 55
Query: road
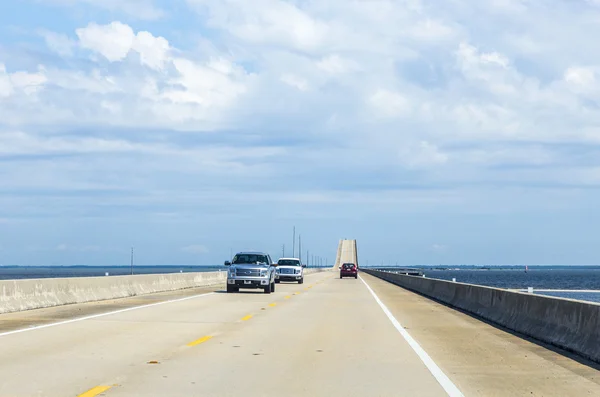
327, 337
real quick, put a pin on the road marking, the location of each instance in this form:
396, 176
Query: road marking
287, 297
273, 304
297, 293
248, 317
103, 314
440, 376
95, 391
201, 340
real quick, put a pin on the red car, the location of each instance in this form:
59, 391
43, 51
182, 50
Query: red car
348, 270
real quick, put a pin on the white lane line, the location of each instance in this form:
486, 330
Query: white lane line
102, 314
440, 376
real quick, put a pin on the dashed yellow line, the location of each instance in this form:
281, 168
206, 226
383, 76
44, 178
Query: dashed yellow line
95, 391
287, 297
273, 304
246, 318
297, 293
199, 341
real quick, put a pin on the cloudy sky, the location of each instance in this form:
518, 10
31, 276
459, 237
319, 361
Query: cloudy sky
432, 131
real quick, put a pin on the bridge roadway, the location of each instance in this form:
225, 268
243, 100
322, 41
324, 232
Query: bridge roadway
327, 337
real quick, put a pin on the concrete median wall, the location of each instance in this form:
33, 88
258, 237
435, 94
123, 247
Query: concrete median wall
570, 325
17, 295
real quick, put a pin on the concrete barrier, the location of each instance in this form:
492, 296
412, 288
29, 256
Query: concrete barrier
568, 324
26, 294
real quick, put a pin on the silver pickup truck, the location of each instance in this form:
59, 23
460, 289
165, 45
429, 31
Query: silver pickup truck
251, 270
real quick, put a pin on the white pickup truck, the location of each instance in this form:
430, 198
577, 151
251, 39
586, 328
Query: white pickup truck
290, 269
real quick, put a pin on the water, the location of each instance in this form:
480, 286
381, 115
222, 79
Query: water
538, 277
20, 272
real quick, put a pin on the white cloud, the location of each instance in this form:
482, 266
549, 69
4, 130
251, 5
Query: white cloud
473, 61
6, 87
153, 50
265, 22
295, 81
580, 76
389, 103
430, 29
335, 64
115, 41
20, 82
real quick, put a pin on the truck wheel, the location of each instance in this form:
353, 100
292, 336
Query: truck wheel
273, 287
231, 289
355, 276
301, 281
277, 280
268, 289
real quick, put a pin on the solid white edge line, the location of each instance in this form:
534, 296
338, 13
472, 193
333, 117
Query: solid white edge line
101, 314
439, 375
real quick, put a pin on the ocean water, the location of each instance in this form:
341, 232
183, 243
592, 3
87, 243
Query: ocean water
556, 278
20, 272
559, 278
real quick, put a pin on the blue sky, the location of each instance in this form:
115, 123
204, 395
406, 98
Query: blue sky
433, 132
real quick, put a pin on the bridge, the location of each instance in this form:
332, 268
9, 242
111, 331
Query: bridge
327, 337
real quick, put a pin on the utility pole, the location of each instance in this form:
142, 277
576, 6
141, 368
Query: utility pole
294, 244
300, 248
307, 259
132, 261
283, 251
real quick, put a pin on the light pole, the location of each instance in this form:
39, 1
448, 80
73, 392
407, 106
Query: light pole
294, 243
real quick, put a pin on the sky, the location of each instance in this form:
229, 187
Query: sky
455, 132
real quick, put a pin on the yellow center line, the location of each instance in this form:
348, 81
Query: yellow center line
248, 317
297, 293
95, 391
287, 297
201, 340
273, 304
